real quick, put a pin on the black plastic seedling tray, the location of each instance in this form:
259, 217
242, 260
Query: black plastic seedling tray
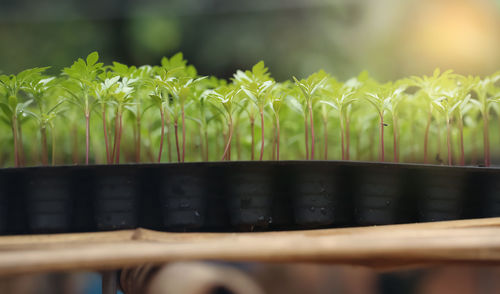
241, 196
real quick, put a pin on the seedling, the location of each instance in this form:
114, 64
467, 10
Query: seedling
14, 108
256, 84
82, 76
216, 114
309, 88
225, 95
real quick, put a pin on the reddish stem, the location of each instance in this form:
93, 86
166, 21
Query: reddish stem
87, 137
342, 135
230, 136
306, 128
119, 140
106, 142
53, 135
115, 138
461, 131
277, 138
20, 144
162, 115
177, 141
262, 134
206, 144
426, 135
325, 130
252, 132
448, 141
486, 140
312, 131
273, 156
75, 145
347, 138
183, 133
45, 151
395, 139
381, 133
138, 139
16, 148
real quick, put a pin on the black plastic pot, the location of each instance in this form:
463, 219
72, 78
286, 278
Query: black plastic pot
116, 198
3, 206
183, 197
49, 202
317, 198
282, 206
217, 213
249, 197
235, 196
441, 194
488, 191
377, 195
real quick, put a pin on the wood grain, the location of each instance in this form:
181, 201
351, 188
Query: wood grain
381, 247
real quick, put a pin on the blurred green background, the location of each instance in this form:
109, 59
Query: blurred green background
390, 38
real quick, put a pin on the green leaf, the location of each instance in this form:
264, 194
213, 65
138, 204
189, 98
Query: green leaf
6, 109
92, 58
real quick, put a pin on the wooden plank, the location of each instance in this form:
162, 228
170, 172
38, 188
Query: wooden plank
470, 241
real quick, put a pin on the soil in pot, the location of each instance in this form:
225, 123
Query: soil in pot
318, 198
49, 201
250, 197
116, 199
441, 195
377, 196
183, 202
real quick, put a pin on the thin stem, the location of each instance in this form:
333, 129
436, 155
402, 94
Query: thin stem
177, 141
45, 152
162, 115
486, 139
381, 134
115, 138
306, 132
312, 131
461, 131
238, 141
230, 136
14, 134
138, 138
105, 128
87, 137
119, 139
325, 135
206, 143
347, 138
358, 147
426, 135
53, 135
273, 143
277, 138
395, 138
342, 134
169, 143
183, 133
448, 141
75, 145
252, 132
262, 134
20, 144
